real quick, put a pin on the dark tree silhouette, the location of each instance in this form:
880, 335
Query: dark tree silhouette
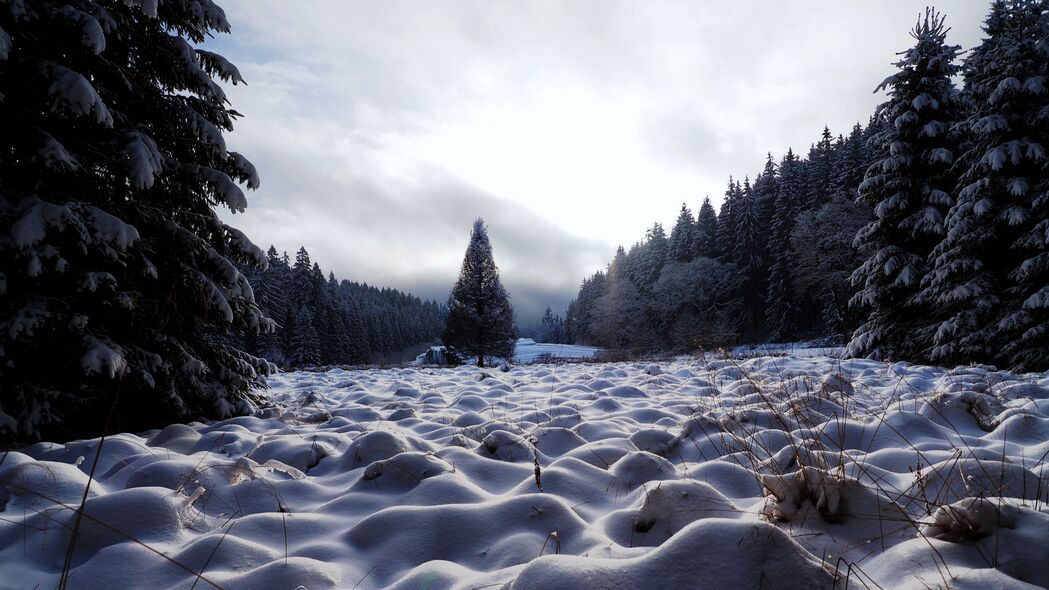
480, 320
117, 277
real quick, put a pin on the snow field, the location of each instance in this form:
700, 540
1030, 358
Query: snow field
777, 472
527, 350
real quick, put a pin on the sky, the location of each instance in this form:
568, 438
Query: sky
382, 129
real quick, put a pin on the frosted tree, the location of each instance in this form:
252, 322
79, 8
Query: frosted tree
552, 328
826, 259
705, 243
271, 292
1006, 184
653, 257
580, 317
118, 280
988, 280
480, 322
780, 307
682, 236
306, 343
852, 162
909, 189
725, 242
697, 305
749, 258
619, 314
820, 171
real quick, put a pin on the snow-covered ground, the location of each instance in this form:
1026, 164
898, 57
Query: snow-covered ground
794, 349
528, 351
770, 472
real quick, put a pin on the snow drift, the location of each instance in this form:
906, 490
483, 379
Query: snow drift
776, 472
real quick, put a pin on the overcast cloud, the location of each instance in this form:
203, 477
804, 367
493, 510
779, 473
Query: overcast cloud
382, 129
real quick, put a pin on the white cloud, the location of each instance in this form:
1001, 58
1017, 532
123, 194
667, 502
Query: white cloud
381, 129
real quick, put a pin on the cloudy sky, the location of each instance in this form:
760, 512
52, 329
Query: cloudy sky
382, 129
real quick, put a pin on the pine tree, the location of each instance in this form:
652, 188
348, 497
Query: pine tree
480, 318
306, 343
551, 328
748, 259
820, 172
580, 317
271, 293
1021, 97
705, 243
682, 237
826, 259
620, 312
992, 268
780, 305
115, 267
338, 348
852, 163
653, 257
909, 190
725, 243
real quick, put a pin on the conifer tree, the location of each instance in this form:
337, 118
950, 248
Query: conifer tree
820, 172
780, 305
852, 162
997, 248
725, 242
909, 189
748, 259
271, 293
580, 317
653, 257
480, 321
114, 265
306, 343
705, 243
619, 314
682, 237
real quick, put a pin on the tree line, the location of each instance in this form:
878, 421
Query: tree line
920, 236
325, 321
773, 264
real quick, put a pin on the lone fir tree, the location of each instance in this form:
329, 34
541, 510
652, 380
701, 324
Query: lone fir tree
480, 318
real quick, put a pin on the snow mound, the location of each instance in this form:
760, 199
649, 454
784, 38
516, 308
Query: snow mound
713, 553
771, 471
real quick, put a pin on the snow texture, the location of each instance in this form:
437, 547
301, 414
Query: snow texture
765, 472
528, 350
72, 93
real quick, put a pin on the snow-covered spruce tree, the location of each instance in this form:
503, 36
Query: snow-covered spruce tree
819, 172
851, 162
909, 189
305, 343
271, 293
1005, 192
780, 307
579, 319
749, 260
705, 242
480, 322
117, 278
725, 242
682, 236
